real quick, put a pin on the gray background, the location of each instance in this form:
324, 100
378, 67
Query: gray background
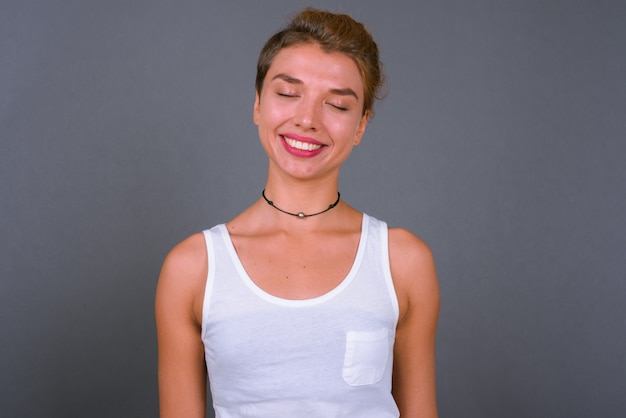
126, 126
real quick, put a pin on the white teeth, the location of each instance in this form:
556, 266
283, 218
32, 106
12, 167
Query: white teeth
305, 146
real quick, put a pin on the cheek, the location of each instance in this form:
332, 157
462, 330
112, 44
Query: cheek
344, 127
271, 114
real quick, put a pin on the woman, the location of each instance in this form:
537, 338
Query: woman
302, 305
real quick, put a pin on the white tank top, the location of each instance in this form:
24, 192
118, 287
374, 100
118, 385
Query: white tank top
329, 356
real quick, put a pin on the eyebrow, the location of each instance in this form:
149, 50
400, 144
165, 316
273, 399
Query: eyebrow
292, 80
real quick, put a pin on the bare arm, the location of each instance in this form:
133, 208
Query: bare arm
415, 279
178, 309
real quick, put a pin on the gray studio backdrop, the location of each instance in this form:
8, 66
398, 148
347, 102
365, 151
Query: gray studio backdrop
126, 126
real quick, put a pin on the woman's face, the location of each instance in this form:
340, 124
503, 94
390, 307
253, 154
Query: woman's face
310, 112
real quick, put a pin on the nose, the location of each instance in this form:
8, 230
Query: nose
307, 114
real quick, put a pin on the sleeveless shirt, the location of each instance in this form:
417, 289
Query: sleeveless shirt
328, 356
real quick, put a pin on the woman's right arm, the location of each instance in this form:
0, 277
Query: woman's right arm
178, 310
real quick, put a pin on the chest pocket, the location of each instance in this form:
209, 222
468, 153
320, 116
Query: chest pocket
366, 356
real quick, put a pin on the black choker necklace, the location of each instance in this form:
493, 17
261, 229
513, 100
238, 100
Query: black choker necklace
301, 214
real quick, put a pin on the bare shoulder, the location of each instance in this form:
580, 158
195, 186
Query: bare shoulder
404, 242
183, 274
188, 255
410, 255
412, 269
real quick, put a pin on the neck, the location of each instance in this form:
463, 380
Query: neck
295, 195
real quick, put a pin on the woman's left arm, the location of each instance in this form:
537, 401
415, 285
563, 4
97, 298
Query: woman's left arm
415, 281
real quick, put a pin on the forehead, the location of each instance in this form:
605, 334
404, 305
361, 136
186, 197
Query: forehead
310, 64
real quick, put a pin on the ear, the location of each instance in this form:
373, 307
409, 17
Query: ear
360, 130
257, 109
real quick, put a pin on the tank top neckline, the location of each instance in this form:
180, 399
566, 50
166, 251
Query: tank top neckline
256, 289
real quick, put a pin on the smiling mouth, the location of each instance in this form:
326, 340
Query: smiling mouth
304, 146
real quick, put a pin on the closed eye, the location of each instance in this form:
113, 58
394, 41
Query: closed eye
338, 107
